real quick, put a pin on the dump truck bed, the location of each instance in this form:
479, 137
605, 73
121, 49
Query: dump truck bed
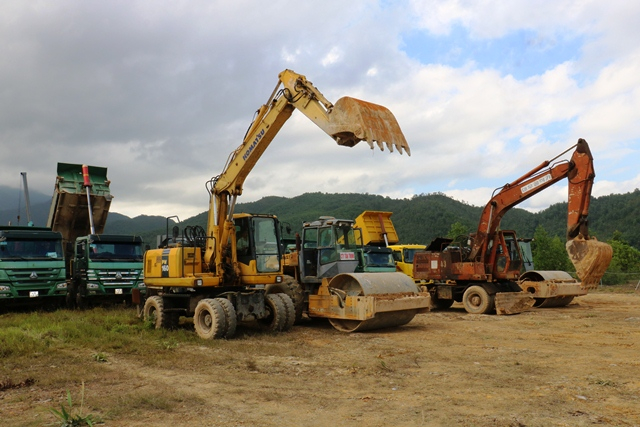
69, 212
375, 225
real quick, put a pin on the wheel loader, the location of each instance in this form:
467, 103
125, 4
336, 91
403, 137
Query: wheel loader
482, 270
233, 271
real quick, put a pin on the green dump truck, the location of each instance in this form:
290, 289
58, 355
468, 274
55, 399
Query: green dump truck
99, 267
31, 266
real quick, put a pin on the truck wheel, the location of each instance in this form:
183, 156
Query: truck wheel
277, 314
230, 317
289, 309
296, 294
154, 311
477, 300
70, 298
209, 319
81, 301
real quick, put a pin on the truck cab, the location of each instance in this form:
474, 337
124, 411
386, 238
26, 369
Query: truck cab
107, 266
403, 257
31, 265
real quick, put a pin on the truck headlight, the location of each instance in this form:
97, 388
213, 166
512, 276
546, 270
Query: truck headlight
278, 279
142, 285
198, 282
5, 289
62, 285
93, 286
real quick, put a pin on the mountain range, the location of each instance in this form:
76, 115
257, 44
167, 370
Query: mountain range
418, 219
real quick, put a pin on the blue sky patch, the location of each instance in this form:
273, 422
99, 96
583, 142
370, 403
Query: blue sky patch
522, 53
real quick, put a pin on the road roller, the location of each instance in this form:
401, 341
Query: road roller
323, 281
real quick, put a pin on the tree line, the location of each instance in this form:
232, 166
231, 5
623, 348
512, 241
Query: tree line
423, 217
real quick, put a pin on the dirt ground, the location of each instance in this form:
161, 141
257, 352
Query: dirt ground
572, 366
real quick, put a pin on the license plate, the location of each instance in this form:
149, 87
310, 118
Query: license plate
33, 294
118, 291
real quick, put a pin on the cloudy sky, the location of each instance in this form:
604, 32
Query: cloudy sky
161, 92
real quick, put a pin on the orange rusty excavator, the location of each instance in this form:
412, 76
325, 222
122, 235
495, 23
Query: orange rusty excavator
482, 270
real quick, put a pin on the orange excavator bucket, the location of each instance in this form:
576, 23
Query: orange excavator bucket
591, 259
352, 120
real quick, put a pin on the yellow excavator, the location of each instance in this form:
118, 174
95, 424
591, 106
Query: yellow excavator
233, 271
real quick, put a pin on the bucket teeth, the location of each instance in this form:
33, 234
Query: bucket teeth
353, 120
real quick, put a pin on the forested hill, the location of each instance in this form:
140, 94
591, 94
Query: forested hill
423, 217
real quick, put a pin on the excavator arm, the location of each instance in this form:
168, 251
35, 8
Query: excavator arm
348, 122
590, 257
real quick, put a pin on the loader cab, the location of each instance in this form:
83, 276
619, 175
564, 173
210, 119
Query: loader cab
329, 247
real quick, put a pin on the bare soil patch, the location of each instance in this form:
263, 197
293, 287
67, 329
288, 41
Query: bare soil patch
572, 366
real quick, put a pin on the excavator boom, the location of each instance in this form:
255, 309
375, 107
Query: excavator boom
348, 122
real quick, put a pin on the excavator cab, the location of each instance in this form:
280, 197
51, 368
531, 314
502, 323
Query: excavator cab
505, 256
257, 244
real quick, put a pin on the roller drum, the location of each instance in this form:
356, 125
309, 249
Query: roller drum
382, 285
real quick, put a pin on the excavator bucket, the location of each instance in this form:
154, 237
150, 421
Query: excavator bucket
513, 302
353, 120
591, 259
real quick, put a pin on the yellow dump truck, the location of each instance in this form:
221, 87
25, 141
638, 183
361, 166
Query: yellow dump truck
377, 229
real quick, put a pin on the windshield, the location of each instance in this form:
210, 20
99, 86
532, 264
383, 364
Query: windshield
409, 254
345, 237
379, 259
267, 247
130, 251
31, 249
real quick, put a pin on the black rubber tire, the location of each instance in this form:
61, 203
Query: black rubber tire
441, 304
70, 298
230, 316
296, 293
290, 311
209, 319
81, 301
276, 318
153, 311
171, 319
477, 300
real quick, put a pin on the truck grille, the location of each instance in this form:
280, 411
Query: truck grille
114, 278
33, 278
